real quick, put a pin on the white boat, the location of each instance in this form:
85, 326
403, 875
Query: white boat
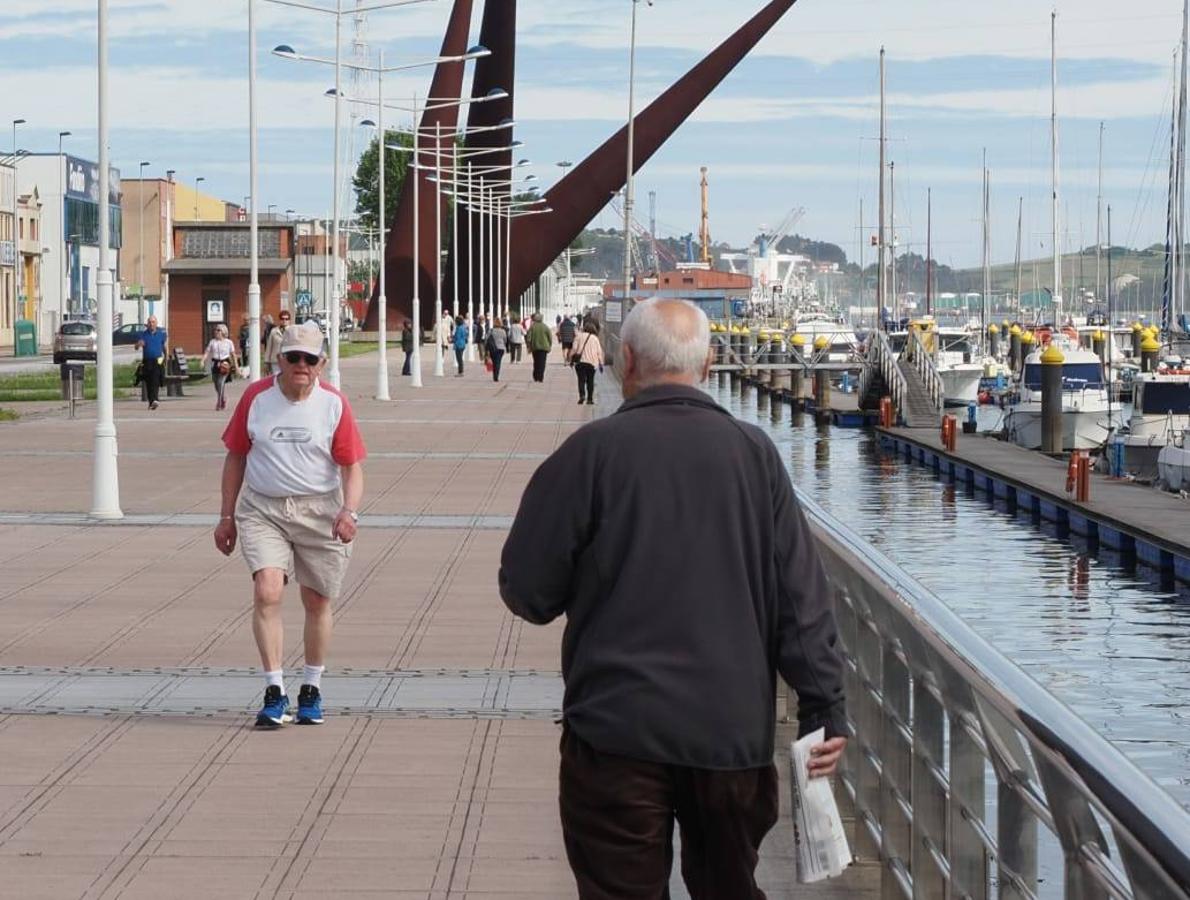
843, 341
1085, 406
1160, 414
1173, 463
958, 367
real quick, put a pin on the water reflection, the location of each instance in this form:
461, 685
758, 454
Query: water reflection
1107, 638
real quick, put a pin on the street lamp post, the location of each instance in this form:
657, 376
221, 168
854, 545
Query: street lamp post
105, 478
16, 243
140, 263
415, 362
254, 372
381, 223
65, 302
197, 181
438, 372
166, 250
628, 190
564, 165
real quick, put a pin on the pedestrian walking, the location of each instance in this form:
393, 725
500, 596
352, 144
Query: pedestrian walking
497, 345
462, 335
566, 333
540, 341
292, 485
153, 344
587, 356
670, 663
407, 346
244, 336
516, 341
221, 357
479, 334
445, 331
272, 346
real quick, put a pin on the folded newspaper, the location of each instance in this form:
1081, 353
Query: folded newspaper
822, 850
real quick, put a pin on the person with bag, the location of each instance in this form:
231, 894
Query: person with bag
153, 344
586, 356
497, 344
479, 334
221, 356
540, 341
462, 335
566, 334
407, 346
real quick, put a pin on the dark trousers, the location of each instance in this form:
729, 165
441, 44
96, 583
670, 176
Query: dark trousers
618, 818
408, 361
151, 373
496, 356
586, 381
458, 357
539, 358
514, 352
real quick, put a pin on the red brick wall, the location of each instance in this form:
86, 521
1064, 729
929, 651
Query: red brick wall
187, 309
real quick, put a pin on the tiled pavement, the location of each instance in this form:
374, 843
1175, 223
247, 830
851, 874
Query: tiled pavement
127, 767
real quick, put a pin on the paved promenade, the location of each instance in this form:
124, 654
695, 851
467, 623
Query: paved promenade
128, 767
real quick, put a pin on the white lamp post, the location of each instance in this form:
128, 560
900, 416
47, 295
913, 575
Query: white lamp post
140, 260
438, 373
382, 223
65, 304
628, 189
105, 474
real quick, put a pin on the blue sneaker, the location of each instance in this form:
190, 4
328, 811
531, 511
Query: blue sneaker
309, 706
275, 711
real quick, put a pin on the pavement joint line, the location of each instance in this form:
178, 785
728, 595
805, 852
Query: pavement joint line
253, 671
216, 454
209, 520
481, 713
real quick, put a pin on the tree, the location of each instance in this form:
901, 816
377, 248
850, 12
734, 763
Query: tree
367, 178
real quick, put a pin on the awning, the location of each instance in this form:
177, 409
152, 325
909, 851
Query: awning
226, 266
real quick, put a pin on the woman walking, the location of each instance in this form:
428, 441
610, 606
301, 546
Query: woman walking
462, 335
516, 341
587, 355
497, 343
221, 357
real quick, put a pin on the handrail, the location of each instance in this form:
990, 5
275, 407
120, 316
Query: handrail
882, 359
923, 363
932, 706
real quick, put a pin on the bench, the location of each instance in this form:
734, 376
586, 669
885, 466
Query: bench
177, 373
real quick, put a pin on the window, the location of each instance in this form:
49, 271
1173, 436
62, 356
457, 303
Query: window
228, 243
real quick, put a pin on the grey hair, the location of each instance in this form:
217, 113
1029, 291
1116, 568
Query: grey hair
658, 347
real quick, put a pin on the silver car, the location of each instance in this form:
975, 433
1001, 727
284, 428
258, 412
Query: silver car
75, 340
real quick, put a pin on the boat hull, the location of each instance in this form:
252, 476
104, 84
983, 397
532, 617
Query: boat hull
960, 384
1081, 430
1173, 467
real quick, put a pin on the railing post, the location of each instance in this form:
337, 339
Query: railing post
968, 856
896, 774
929, 793
868, 726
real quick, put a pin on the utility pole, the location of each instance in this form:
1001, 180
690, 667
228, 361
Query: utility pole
881, 297
1099, 223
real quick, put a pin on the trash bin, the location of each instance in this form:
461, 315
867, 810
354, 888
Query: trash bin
24, 338
72, 379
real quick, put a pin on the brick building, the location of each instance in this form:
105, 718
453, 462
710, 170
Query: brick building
208, 277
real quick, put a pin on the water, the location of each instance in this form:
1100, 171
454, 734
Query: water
1108, 641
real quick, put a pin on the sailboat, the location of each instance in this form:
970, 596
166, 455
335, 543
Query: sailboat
1086, 406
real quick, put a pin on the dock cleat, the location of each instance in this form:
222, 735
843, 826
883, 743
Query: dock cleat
275, 711
309, 706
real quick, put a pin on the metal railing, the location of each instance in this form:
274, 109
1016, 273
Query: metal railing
882, 359
922, 360
958, 757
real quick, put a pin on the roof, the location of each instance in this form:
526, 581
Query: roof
231, 266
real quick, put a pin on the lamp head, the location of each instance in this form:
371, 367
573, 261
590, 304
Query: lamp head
284, 50
63, 134
496, 94
367, 123
18, 121
478, 51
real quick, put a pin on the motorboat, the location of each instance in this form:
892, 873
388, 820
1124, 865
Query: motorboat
843, 341
1173, 463
1160, 414
1086, 408
956, 358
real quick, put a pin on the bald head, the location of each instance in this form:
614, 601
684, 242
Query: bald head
664, 342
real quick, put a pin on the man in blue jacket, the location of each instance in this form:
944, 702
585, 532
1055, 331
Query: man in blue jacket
152, 343
670, 537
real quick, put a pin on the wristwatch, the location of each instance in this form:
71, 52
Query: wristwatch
351, 512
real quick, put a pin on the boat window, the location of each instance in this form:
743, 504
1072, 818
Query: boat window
1073, 375
1161, 397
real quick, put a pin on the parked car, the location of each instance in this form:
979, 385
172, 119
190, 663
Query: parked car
127, 334
75, 340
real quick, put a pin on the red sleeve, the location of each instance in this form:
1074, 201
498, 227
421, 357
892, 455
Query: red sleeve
235, 435
347, 446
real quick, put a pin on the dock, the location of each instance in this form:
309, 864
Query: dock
1121, 516
128, 675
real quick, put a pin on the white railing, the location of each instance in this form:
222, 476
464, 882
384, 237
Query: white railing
923, 363
882, 360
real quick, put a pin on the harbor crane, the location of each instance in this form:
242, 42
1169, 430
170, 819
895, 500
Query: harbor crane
772, 239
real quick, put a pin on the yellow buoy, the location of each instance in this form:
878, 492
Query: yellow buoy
821, 342
1052, 356
798, 340
1015, 329
1028, 337
1150, 345
992, 329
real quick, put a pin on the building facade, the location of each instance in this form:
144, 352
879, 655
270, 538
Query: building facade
68, 188
208, 277
8, 255
31, 251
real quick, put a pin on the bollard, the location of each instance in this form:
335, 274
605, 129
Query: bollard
797, 387
950, 438
1051, 400
1014, 348
1138, 337
1083, 479
972, 424
1099, 346
994, 340
1149, 350
822, 396
887, 416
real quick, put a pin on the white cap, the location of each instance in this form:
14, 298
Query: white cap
306, 337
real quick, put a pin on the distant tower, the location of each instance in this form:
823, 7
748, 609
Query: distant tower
704, 234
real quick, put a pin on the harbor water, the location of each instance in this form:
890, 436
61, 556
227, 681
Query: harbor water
1104, 637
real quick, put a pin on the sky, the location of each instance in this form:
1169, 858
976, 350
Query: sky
794, 126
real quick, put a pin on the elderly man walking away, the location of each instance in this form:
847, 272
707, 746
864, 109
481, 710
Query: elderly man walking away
292, 484
152, 343
670, 537
540, 341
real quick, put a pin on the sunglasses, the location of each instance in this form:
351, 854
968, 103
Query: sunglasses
293, 357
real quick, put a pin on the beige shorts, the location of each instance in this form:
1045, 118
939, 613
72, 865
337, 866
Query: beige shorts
294, 534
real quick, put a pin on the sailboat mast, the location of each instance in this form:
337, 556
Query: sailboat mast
1020, 221
985, 299
1170, 286
929, 251
881, 298
1054, 161
892, 239
861, 258
1179, 304
1099, 223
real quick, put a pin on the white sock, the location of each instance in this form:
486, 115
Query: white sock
276, 678
312, 675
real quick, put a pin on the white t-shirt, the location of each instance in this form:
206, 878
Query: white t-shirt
220, 349
294, 449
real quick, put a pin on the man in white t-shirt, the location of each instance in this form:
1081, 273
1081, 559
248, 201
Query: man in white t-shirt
292, 485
